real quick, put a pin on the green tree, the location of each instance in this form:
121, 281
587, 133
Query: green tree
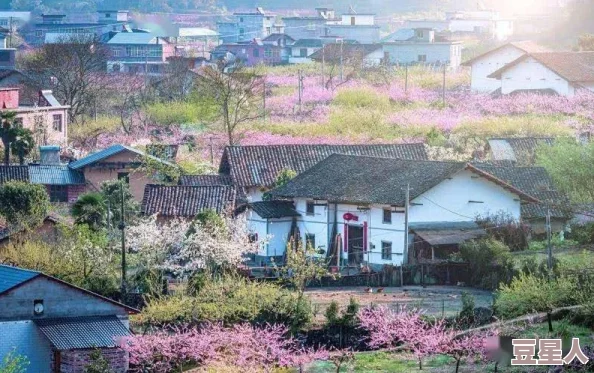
90, 209
98, 363
23, 204
570, 167
8, 132
112, 194
23, 144
14, 363
303, 266
490, 262
283, 177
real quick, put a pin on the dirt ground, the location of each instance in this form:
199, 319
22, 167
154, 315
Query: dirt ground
436, 300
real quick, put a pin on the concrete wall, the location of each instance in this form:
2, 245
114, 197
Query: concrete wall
485, 66
42, 118
59, 300
362, 34
96, 175
25, 339
436, 53
531, 74
275, 231
304, 28
359, 19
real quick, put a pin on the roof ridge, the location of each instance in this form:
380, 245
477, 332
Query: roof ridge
20, 269
286, 145
397, 159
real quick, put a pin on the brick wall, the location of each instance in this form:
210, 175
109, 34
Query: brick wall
74, 191
75, 361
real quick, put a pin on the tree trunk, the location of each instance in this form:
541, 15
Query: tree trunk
420, 364
457, 365
550, 321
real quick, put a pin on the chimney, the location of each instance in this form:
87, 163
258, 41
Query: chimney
49, 155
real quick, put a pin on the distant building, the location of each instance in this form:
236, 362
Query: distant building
254, 52
308, 27
54, 27
247, 26
56, 325
562, 73
63, 184
303, 49
138, 52
422, 48
487, 63
365, 55
46, 118
14, 19
355, 26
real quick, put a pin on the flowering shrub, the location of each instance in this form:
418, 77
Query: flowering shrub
253, 349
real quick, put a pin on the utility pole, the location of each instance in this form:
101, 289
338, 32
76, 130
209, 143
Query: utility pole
405, 250
109, 215
443, 91
211, 150
341, 61
323, 63
122, 227
549, 246
300, 81
9, 33
263, 104
406, 78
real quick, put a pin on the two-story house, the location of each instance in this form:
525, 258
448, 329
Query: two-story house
355, 26
310, 26
422, 47
360, 209
247, 26
46, 118
138, 52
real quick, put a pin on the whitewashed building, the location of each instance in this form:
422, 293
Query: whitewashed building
357, 27
422, 48
353, 207
562, 73
486, 64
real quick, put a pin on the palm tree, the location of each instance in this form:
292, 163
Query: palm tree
7, 132
90, 209
23, 144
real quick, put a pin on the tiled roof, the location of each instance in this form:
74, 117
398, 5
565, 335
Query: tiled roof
251, 166
132, 38
72, 333
536, 182
274, 209
526, 46
11, 277
55, 175
447, 233
109, 152
14, 173
517, 148
357, 179
333, 52
571, 66
308, 43
277, 37
186, 201
205, 180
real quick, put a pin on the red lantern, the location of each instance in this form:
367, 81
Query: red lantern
348, 217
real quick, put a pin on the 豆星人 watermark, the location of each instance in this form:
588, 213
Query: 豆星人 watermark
550, 352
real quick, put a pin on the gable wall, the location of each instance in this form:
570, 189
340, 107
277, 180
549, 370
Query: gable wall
487, 65
531, 74
59, 301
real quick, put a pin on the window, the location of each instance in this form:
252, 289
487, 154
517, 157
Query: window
124, 176
107, 15
422, 58
311, 27
58, 193
38, 33
267, 30
57, 122
116, 68
253, 237
116, 52
387, 216
241, 31
276, 53
310, 208
18, 122
241, 19
256, 53
268, 52
153, 69
303, 52
386, 250
310, 240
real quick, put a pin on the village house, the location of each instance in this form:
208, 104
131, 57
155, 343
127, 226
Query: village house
57, 325
119, 162
14, 173
46, 118
358, 27
356, 206
517, 150
309, 27
487, 63
247, 26
274, 50
47, 231
63, 184
254, 169
561, 73
421, 46
302, 50
138, 52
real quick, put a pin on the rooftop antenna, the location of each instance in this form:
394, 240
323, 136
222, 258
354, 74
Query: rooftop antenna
352, 9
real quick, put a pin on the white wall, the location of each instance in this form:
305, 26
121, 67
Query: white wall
485, 66
360, 19
363, 34
254, 194
275, 231
531, 74
437, 25
435, 52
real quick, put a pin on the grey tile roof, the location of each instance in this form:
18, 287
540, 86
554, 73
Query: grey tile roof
274, 209
186, 201
307, 43
521, 149
536, 182
14, 173
83, 332
447, 233
55, 175
359, 179
333, 52
205, 180
251, 166
108, 152
11, 277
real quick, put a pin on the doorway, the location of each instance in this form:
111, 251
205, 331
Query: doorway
355, 244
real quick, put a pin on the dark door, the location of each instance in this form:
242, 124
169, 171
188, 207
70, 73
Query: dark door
355, 245
57, 361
